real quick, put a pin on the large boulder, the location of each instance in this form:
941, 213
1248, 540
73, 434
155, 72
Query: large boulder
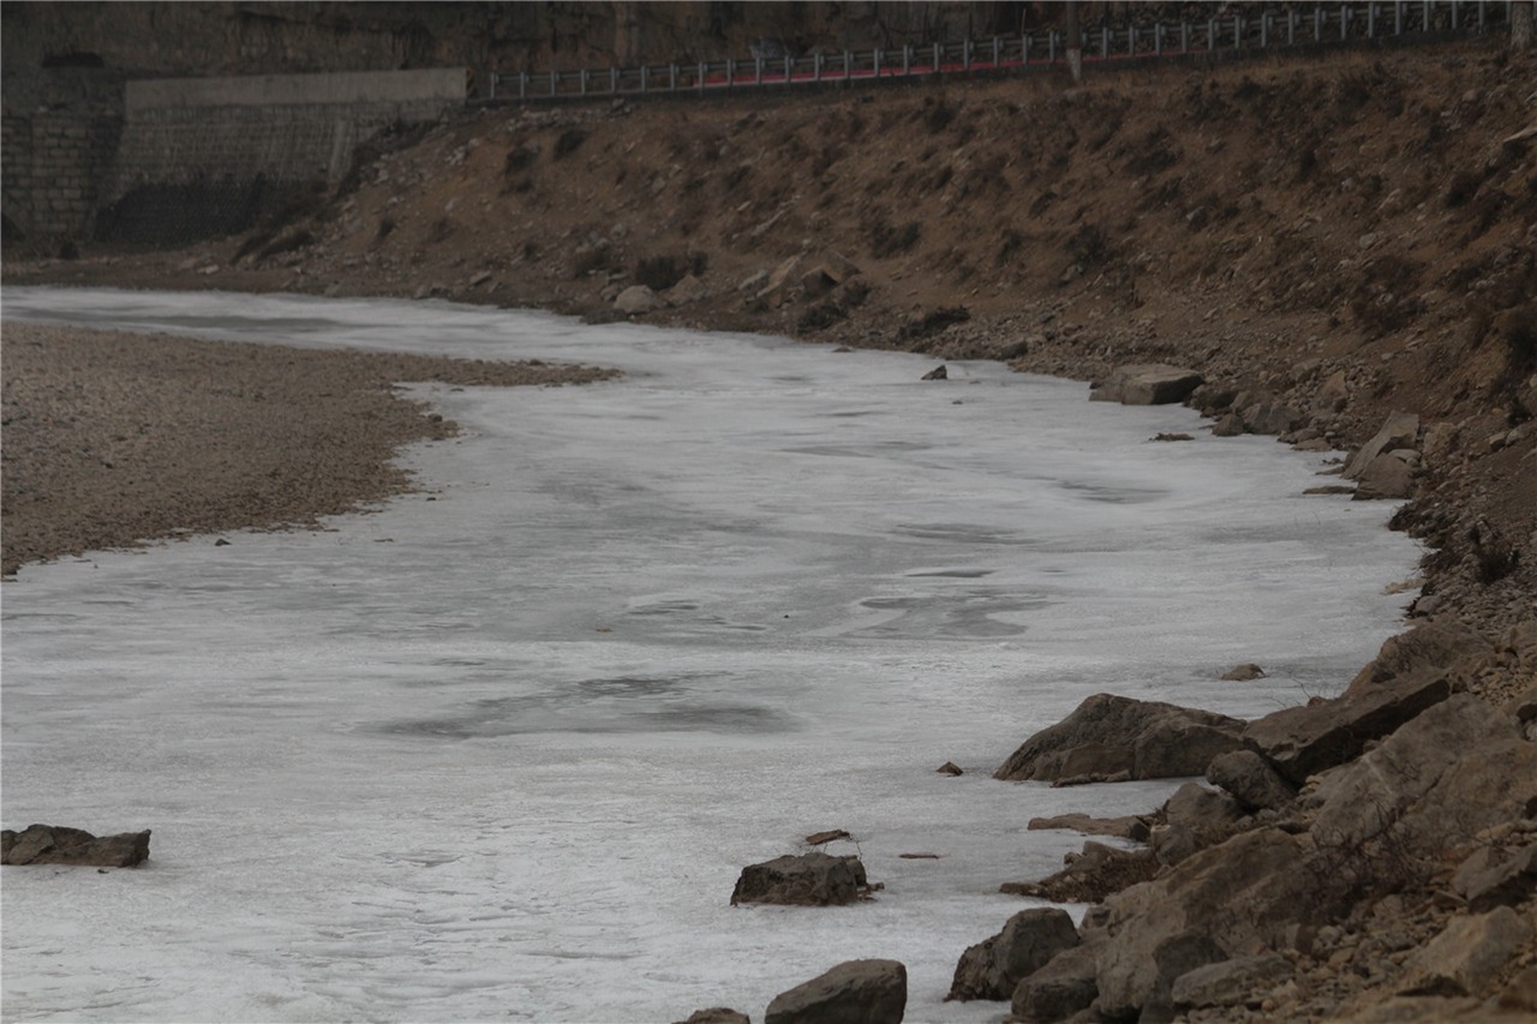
1458, 768
856, 992
1229, 982
1427, 647
1108, 735
1058, 990
717, 1015
1241, 895
991, 968
1090, 876
54, 844
637, 299
1400, 430
1147, 384
809, 880
1303, 741
1386, 477
1467, 956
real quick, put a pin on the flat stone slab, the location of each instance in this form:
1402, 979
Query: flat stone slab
1147, 384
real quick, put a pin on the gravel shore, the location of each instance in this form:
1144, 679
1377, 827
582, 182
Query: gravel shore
113, 439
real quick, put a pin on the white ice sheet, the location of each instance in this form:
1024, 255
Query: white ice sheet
501, 755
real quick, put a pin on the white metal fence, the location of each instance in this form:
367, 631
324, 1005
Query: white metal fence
1234, 34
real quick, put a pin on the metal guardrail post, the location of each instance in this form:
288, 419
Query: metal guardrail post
523, 85
1158, 39
875, 61
1371, 19
816, 67
848, 66
1211, 35
1184, 37
730, 72
1051, 46
581, 82
1025, 49
1238, 31
1344, 23
1481, 6
1131, 40
613, 81
996, 54
1398, 17
938, 57
704, 71
672, 78
907, 59
1104, 43
1264, 30
554, 82
758, 71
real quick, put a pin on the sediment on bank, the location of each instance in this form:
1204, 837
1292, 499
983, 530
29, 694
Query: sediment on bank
114, 439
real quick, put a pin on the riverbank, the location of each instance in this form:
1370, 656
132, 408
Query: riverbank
1326, 242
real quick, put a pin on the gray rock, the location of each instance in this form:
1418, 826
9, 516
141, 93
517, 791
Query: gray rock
1251, 780
1386, 477
938, 373
1174, 958
1230, 425
1271, 418
1467, 956
1089, 876
1147, 739
855, 992
1147, 384
55, 844
1060, 989
1333, 395
1230, 982
991, 968
1243, 673
1173, 843
1400, 430
811, 879
637, 299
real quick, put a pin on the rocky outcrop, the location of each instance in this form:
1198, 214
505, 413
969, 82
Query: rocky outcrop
1030, 939
1147, 384
1109, 738
809, 880
54, 844
856, 992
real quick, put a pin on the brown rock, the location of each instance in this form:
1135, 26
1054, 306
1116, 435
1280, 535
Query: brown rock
1149, 740
1060, 989
1130, 826
855, 992
1090, 876
812, 879
1244, 673
1147, 384
1385, 478
1251, 780
1229, 982
938, 373
1467, 956
717, 1015
1399, 431
949, 768
1028, 940
53, 844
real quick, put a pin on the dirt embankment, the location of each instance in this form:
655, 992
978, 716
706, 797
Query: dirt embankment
1337, 238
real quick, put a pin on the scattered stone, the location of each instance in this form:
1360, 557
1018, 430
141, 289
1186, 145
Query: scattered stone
1331, 489
1060, 989
1130, 826
1244, 673
1467, 956
950, 768
810, 880
1230, 425
818, 838
918, 856
1028, 941
1147, 384
1164, 436
1202, 809
55, 844
774, 288
938, 373
855, 992
636, 300
1229, 982
1251, 780
1107, 734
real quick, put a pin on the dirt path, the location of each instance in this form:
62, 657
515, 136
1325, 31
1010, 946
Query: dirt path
112, 439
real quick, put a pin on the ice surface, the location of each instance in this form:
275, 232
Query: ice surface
501, 755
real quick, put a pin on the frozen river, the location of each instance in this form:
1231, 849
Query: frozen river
502, 754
